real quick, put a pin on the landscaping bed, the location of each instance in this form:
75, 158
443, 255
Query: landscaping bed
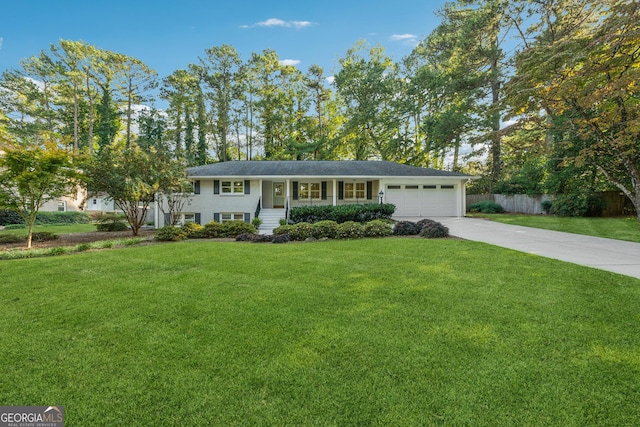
72, 239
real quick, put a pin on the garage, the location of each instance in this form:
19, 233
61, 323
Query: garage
423, 200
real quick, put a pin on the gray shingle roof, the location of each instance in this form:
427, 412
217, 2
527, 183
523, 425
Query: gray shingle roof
319, 168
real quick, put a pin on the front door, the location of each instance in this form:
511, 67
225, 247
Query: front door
278, 194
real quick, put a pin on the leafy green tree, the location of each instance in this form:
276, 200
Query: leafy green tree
31, 176
130, 177
367, 84
221, 73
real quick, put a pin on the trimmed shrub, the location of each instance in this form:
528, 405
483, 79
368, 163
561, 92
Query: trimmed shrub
547, 205
74, 217
405, 228
15, 227
326, 228
169, 233
234, 228
9, 217
213, 230
342, 213
425, 221
44, 236
485, 206
193, 230
350, 230
434, 231
283, 229
377, 228
111, 222
10, 238
281, 238
301, 231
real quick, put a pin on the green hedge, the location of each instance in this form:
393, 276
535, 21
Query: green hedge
8, 217
342, 213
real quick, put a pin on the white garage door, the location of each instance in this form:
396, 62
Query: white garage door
423, 200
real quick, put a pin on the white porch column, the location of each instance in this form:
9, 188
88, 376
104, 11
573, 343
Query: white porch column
288, 199
260, 194
335, 192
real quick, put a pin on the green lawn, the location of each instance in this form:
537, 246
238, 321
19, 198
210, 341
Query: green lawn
383, 332
57, 229
613, 228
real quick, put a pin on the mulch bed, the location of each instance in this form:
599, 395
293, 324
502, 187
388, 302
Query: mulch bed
73, 239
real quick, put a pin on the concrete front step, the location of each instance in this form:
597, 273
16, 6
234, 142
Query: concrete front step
270, 220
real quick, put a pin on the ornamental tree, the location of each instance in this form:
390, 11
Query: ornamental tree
31, 176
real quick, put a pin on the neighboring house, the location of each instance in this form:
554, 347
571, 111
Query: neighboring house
242, 190
70, 203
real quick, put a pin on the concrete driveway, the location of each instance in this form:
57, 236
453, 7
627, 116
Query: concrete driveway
606, 254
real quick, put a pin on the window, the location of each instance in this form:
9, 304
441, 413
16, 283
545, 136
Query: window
429, 187
309, 190
95, 201
62, 206
188, 217
232, 187
411, 187
447, 187
354, 190
393, 187
231, 216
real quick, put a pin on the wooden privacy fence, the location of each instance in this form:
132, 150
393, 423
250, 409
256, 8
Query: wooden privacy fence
616, 203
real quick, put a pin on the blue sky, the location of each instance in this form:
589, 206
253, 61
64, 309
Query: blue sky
168, 35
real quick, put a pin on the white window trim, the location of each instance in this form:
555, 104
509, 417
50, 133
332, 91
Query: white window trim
309, 183
232, 187
233, 216
355, 190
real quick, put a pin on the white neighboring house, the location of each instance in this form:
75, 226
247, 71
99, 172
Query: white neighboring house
243, 190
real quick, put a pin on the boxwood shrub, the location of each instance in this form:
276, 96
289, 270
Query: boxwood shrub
350, 230
235, 228
169, 233
342, 213
283, 229
325, 228
301, 231
193, 230
377, 228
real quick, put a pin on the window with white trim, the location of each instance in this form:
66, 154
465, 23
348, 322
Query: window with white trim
309, 190
62, 206
354, 190
232, 187
188, 217
447, 187
231, 216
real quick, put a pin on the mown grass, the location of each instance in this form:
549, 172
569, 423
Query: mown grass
57, 229
368, 332
626, 228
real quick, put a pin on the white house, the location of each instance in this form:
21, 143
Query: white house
242, 190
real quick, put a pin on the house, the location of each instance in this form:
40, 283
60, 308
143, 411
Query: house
242, 190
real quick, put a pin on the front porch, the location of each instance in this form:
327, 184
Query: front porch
289, 193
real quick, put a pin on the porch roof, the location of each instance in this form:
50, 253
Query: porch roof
316, 168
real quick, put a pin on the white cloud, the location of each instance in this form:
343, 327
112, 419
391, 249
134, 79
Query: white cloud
410, 39
276, 22
293, 62
330, 79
